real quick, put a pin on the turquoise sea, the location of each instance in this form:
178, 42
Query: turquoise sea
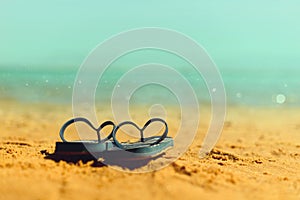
271, 88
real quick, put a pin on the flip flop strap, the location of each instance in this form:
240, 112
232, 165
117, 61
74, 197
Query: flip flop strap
161, 138
81, 119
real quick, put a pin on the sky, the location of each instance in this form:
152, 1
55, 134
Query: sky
59, 34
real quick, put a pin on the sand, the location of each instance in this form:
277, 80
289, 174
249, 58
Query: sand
257, 157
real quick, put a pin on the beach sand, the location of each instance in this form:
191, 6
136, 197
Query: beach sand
257, 157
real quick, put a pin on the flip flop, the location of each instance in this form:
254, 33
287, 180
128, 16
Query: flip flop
84, 147
150, 146
109, 148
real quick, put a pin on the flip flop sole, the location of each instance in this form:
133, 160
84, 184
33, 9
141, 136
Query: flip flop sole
82, 147
134, 150
139, 149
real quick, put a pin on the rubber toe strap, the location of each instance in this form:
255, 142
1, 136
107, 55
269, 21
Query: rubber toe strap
86, 121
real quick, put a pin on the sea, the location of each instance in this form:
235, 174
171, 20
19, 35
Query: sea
250, 87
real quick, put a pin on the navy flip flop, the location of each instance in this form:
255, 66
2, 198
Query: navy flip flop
84, 147
150, 146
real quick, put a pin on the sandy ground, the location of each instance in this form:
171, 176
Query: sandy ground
257, 157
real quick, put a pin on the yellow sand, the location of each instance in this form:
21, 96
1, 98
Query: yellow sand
257, 157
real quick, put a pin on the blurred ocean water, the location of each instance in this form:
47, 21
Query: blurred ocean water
265, 87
